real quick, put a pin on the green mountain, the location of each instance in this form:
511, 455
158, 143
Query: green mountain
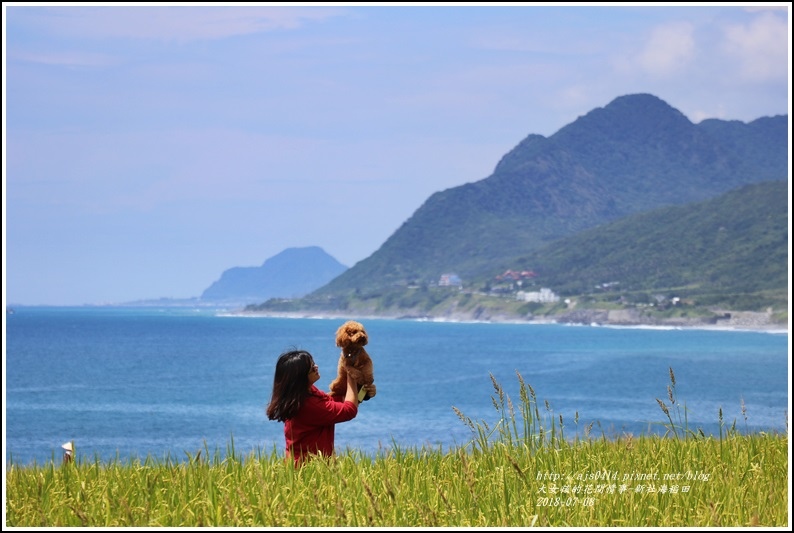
636, 154
734, 244
728, 252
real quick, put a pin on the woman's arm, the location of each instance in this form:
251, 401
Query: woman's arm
352, 391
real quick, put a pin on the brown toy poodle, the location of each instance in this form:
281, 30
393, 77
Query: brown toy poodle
354, 360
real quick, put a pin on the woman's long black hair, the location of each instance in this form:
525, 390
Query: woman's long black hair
290, 384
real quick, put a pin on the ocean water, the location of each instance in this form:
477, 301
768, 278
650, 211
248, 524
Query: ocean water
135, 382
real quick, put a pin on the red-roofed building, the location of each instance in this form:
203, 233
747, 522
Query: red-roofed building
514, 275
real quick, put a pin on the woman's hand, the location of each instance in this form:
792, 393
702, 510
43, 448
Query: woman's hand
371, 391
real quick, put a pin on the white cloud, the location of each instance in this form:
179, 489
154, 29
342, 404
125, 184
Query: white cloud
759, 47
699, 115
669, 49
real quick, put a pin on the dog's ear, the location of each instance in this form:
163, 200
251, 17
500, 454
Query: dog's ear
341, 333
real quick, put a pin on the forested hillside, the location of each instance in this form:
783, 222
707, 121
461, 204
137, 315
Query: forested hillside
736, 243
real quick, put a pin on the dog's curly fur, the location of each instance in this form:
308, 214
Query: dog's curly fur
354, 359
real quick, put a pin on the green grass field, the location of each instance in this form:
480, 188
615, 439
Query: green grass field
520, 471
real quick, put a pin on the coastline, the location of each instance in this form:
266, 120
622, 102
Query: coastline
749, 321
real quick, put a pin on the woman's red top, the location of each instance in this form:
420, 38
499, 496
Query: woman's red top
311, 431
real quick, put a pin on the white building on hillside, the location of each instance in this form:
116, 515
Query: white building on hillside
542, 296
450, 280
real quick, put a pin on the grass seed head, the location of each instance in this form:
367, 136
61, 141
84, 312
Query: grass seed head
663, 406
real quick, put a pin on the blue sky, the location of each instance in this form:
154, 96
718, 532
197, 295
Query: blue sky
147, 149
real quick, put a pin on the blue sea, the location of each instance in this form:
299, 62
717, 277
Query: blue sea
126, 383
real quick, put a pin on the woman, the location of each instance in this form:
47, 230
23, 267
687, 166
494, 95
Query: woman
309, 414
